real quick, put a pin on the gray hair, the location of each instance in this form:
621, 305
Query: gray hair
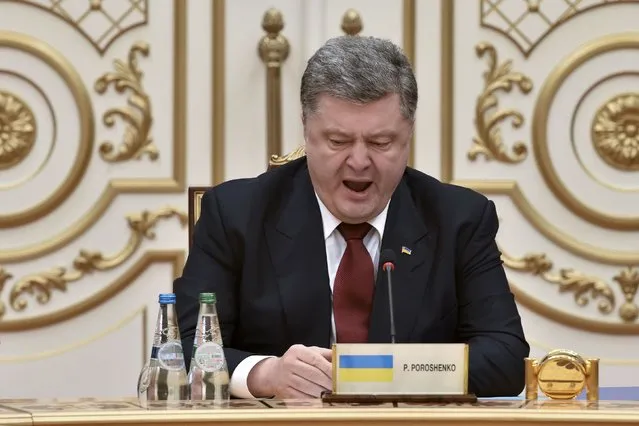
361, 70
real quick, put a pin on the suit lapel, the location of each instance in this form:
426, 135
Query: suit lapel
405, 228
296, 245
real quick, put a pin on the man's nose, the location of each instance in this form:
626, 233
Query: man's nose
359, 157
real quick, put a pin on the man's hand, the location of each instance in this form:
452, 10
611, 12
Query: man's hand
302, 372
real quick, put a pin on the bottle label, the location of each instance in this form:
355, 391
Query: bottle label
170, 356
209, 357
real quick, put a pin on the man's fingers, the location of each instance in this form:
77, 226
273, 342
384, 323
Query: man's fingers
314, 358
314, 374
306, 386
325, 353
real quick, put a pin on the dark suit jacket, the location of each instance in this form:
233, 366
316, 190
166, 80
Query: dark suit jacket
259, 245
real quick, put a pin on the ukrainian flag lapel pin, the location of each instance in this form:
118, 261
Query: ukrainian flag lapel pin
406, 250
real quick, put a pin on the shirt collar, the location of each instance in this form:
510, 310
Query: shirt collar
331, 223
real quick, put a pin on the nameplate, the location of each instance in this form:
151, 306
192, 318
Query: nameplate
400, 368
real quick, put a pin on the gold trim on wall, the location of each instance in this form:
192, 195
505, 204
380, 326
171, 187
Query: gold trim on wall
42, 284
56, 61
174, 184
571, 320
547, 229
142, 311
137, 139
219, 91
56, 8
488, 140
446, 98
546, 97
408, 42
174, 257
573, 9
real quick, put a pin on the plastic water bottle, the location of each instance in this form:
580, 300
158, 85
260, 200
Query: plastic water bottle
208, 374
164, 377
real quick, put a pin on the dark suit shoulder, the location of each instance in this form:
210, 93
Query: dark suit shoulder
446, 200
238, 199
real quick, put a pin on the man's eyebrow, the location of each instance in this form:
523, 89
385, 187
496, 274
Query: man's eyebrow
336, 130
383, 133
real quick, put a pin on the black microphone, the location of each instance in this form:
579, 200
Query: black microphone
387, 259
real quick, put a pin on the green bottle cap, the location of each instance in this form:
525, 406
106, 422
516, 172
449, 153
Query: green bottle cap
207, 297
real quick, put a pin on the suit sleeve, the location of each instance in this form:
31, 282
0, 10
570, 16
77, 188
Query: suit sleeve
489, 320
213, 265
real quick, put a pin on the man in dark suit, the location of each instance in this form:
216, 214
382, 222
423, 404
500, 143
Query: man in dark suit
293, 254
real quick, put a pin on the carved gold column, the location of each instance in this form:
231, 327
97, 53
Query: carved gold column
273, 49
352, 22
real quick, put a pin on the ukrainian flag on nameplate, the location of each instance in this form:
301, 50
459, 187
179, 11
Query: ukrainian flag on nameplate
365, 368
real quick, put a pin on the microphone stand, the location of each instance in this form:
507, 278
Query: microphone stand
390, 302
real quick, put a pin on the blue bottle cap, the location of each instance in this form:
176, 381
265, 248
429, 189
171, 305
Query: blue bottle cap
167, 298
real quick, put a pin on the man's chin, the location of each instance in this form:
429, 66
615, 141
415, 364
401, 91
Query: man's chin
356, 212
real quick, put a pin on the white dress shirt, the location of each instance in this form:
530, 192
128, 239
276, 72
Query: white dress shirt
335, 248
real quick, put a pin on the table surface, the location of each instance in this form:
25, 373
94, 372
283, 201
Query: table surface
127, 411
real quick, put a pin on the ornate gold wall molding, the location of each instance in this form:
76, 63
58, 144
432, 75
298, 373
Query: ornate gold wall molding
58, 63
42, 285
508, 21
18, 129
137, 140
542, 109
547, 229
488, 141
135, 15
615, 131
582, 286
174, 257
173, 184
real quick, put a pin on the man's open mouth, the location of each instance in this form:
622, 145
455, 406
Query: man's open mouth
357, 186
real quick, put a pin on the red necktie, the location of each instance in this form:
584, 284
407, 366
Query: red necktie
353, 287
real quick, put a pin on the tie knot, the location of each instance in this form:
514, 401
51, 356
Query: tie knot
354, 231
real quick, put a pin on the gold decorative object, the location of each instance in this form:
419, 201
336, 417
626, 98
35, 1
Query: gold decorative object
277, 160
273, 49
120, 17
352, 22
175, 182
581, 285
17, 129
509, 21
43, 284
615, 131
562, 374
545, 101
137, 140
628, 280
488, 141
